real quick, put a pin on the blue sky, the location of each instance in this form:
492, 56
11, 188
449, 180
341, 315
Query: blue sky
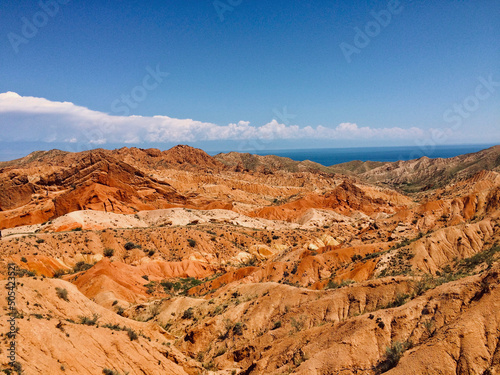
277, 71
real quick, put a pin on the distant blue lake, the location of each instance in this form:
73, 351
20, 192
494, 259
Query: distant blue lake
325, 156
331, 156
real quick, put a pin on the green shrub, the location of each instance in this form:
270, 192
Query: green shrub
132, 334
182, 285
15, 367
429, 327
167, 285
276, 325
334, 285
21, 272
250, 262
108, 371
374, 255
108, 252
297, 324
89, 321
211, 366
401, 244
400, 300
356, 257
191, 242
484, 257
62, 293
392, 356
130, 245
188, 314
59, 273
81, 266
114, 327
238, 329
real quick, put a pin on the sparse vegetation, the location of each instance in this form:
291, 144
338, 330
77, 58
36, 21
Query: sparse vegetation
188, 313
62, 293
399, 300
131, 245
276, 325
15, 367
81, 266
356, 257
399, 263
238, 329
221, 351
151, 286
241, 320
108, 252
114, 327
23, 272
250, 262
392, 356
401, 244
374, 255
429, 327
108, 371
181, 286
132, 335
59, 273
486, 258
460, 269
298, 325
210, 366
88, 321
332, 284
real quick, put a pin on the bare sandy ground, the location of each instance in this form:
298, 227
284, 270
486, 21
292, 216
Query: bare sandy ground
95, 220
168, 217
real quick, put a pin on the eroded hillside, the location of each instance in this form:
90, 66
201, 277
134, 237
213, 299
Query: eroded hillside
152, 262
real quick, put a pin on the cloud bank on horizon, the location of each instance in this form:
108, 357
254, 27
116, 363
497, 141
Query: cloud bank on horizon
32, 119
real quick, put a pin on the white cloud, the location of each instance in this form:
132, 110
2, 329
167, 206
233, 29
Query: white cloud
38, 119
